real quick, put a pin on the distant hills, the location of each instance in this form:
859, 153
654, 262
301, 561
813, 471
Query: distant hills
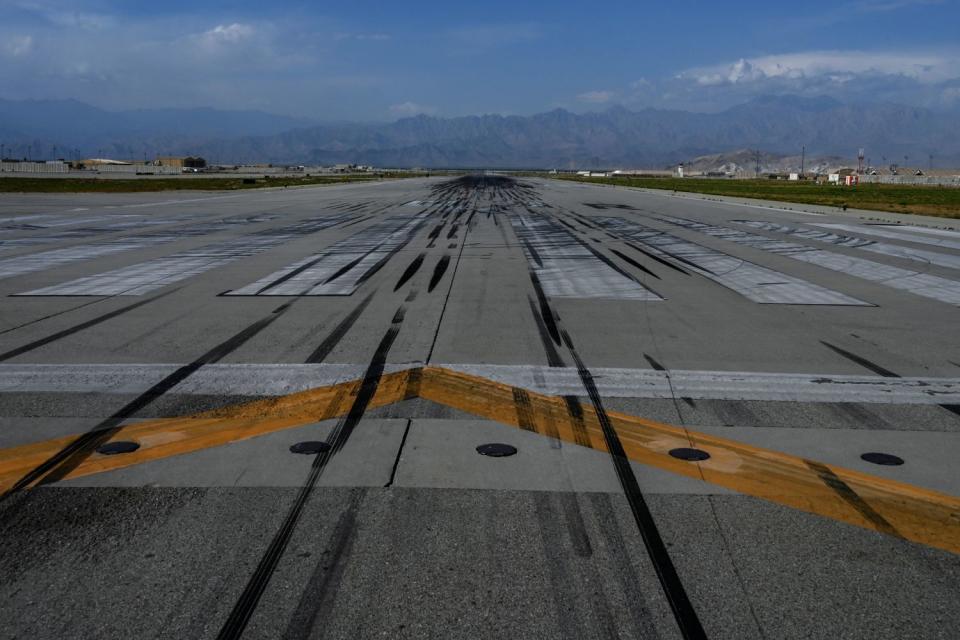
70, 124
743, 162
616, 137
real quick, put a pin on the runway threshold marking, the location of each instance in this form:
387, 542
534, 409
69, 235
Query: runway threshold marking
752, 281
568, 267
916, 282
894, 508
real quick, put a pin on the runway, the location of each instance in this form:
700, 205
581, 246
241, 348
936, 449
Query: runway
603, 333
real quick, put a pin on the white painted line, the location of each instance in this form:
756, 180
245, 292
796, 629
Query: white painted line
728, 203
83, 232
141, 278
279, 379
921, 284
895, 251
58, 257
950, 233
568, 269
756, 283
360, 252
885, 231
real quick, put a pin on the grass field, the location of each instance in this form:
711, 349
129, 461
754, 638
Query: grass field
130, 185
926, 200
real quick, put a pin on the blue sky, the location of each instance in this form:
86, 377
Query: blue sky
380, 61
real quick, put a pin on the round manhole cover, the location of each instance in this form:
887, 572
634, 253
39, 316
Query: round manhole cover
496, 450
310, 447
886, 459
686, 453
121, 446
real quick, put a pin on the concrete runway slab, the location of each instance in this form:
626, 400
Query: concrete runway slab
538, 288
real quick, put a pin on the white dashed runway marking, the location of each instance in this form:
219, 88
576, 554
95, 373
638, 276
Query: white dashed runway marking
339, 270
921, 284
567, 268
912, 235
137, 279
895, 251
750, 280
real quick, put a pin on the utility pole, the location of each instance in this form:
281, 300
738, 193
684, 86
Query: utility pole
930, 166
803, 157
757, 165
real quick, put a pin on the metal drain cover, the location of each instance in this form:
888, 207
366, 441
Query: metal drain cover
886, 459
693, 455
309, 447
496, 450
121, 446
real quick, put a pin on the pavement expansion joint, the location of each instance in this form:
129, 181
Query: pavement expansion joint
909, 512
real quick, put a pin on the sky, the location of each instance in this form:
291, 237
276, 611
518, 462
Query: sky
366, 61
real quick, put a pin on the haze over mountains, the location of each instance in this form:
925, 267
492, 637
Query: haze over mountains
616, 137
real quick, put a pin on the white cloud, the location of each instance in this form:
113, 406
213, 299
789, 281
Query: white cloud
183, 60
228, 34
838, 65
597, 97
17, 46
408, 109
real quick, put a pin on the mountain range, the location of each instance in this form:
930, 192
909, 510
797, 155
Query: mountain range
616, 137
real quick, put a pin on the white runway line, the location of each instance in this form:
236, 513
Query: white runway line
141, 278
18, 265
568, 269
895, 251
921, 284
937, 232
358, 253
756, 283
281, 379
83, 232
885, 231
58, 257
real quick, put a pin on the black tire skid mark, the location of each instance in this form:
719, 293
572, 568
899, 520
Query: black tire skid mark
684, 613
67, 459
634, 263
36, 344
317, 599
410, 271
438, 271
333, 339
243, 609
653, 256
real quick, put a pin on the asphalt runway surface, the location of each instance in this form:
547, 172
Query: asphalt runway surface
689, 389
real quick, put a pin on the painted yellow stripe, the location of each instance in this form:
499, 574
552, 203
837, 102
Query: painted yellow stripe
174, 436
910, 512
